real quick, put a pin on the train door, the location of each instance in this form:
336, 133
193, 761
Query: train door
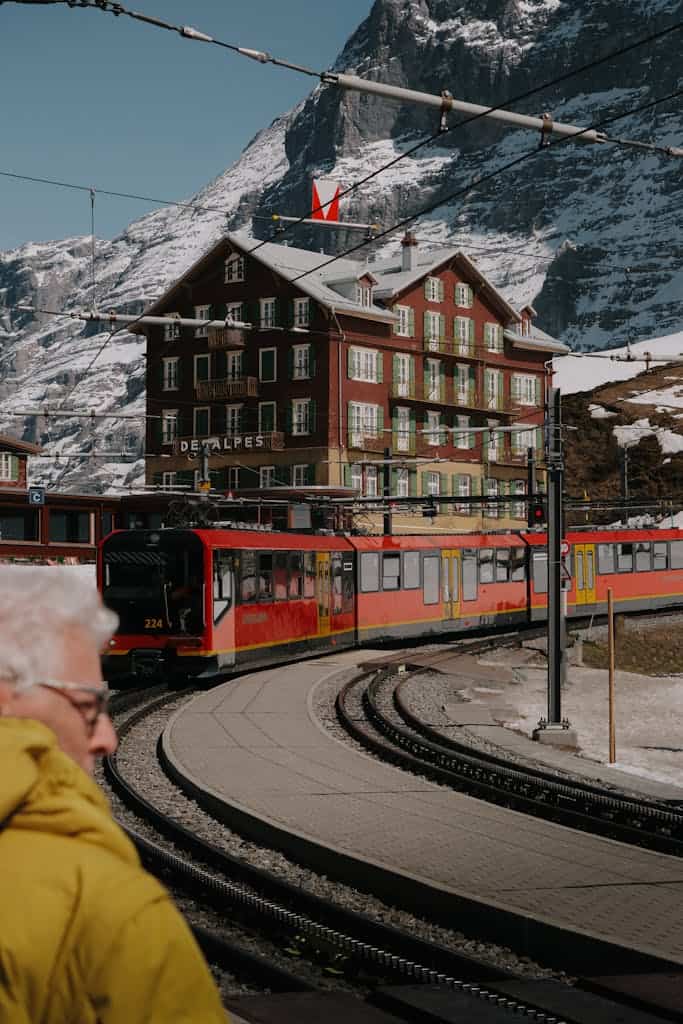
322, 594
584, 573
450, 583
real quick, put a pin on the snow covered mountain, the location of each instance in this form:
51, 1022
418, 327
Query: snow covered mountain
588, 233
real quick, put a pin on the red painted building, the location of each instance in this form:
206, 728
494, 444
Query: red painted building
421, 354
13, 458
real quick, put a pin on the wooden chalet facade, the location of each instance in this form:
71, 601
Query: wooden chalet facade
420, 354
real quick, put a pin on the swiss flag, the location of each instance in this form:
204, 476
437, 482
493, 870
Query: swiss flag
326, 195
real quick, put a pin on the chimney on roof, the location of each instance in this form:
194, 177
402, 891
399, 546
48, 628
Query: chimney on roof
409, 254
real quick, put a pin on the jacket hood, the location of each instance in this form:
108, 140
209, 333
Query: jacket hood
44, 790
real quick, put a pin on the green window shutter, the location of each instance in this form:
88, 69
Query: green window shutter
442, 382
290, 364
539, 397
277, 314
394, 481
441, 291
289, 417
290, 313
443, 483
426, 287
219, 311
413, 429
425, 324
411, 321
312, 362
394, 369
539, 439
476, 486
157, 479
14, 467
380, 367
380, 422
472, 383
347, 475
312, 416
411, 374
501, 386
349, 366
394, 422
442, 326
423, 483
412, 483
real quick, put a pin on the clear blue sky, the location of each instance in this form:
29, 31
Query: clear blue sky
117, 104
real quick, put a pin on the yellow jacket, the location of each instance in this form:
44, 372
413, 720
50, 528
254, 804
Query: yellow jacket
86, 936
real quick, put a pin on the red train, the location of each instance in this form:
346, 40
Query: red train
205, 603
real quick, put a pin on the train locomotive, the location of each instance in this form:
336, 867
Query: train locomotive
205, 603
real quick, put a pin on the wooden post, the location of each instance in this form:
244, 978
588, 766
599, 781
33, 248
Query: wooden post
610, 649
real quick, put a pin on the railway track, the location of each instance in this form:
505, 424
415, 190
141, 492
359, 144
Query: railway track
373, 710
349, 945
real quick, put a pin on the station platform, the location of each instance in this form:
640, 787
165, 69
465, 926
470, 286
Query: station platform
255, 754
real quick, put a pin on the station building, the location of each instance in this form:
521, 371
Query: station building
344, 359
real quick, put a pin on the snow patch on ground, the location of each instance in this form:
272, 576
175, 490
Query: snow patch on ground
586, 371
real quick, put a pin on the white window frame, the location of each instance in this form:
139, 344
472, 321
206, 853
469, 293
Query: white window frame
233, 311
233, 413
301, 416
493, 337
518, 508
300, 470
364, 364
402, 482
523, 388
198, 409
463, 334
261, 407
172, 331
302, 312
432, 380
197, 359
233, 478
401, 382
464, 486
169, 425
464, 295
491, 378
433, 329
364, 295
266, 476
433, 483
6, 467
261, 353
462, 384
523, 437
433, 427
234, 365
491, 490
170, 366
362, 421
301, 362
402, 439
463, 434
356, 476
202, 313
235, 268
494, 446
371, 482
267, 312
433, 289
403, 322
169, 480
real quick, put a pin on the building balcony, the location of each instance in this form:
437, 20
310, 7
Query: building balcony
229, 387
455, 347
510, 458
226, 337
364, 442
471, 400
423, 444
219, 444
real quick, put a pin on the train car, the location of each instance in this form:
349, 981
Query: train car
205, 603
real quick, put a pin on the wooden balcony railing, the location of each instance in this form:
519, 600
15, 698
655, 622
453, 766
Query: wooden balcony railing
361, 441
229, 387
226, 337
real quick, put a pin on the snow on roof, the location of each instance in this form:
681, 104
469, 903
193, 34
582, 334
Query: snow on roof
537, 340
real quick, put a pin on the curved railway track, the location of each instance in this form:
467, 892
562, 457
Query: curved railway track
391, 731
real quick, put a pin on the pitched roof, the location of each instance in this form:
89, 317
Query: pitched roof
22, 447
289, 262
537, 341
393, 279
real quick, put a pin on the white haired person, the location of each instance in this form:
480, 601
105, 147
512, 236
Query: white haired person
86, 936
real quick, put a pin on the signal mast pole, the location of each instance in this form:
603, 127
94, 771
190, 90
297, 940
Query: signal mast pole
555, 730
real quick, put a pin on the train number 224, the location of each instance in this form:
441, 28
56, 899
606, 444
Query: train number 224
153, 623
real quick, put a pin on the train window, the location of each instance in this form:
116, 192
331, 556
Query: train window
107, 523
222, 583
486, 565
431, 592
348, 583
659, 552
391, 572
540, 571
624, 557
469, 575
71, 527
517, 565
296, 582
248, 591
337, 583
643, 556
369, 572
309, 573
502, 565
265, 576
677, 554
606, 559
280, 575
411, 570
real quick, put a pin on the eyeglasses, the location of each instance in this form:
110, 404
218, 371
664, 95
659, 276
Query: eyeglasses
90, 711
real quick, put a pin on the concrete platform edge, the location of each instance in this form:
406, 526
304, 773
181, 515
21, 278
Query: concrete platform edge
537, 937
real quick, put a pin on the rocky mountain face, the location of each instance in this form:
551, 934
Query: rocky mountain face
588, 233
